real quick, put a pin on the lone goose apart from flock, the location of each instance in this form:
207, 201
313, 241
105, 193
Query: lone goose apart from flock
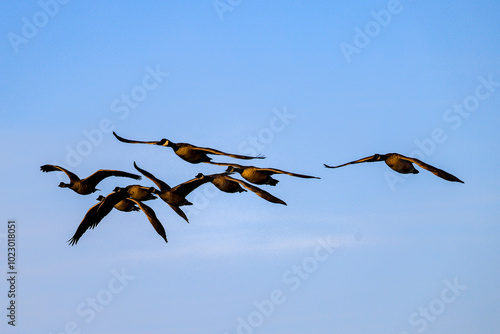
100, 210
176, 196
403, 165
188, 152
231, 185
86, 186
259, 175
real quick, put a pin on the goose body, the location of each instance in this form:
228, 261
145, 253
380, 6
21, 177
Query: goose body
176, 196
259, 175
403, 165
188, 152
140, 193
126, 204
100, 210
228, 184
87, 185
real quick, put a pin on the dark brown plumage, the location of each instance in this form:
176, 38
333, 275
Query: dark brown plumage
260, 175
403, 165
190, 153
231, 185
176, 196
86, 186
100, 210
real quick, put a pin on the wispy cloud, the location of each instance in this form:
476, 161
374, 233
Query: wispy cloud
219, 244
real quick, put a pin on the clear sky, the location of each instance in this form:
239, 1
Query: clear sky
361, 250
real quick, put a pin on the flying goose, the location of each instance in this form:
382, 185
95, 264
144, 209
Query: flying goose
231, 185
403, 165
176, 196
86, 186
140, 193
126, 204
259, 175
188, 152
97, 212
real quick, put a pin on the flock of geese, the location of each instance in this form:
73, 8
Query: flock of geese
132, 197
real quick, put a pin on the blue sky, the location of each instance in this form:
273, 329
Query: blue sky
361, 250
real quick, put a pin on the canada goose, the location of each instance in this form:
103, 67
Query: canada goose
188, 152
126, 204
259, 175
230, 185
140, 193
86, 186
97, 212
176, 196
403, 165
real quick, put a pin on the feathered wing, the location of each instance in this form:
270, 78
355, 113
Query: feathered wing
185, 188
279, 171
179, 211
367, 159
96, 213
134, 141
85, 224
227, 164
259, 192
101, 174
436, 171
52, 168
152, 219
159, 183
209, 150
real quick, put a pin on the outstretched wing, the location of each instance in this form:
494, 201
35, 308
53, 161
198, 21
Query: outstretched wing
436, 171
152, 219
259, 192
179, 211
185, 188
217, 152
159, 183
85, 224
228, 164
101, 174
367, 159
53, 168
134, 141
279, 171
96, 213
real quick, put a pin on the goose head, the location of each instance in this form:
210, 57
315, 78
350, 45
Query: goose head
232, 169
64, 185
120, 190
164, 142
